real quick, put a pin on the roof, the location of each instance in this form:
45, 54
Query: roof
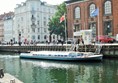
71, 1
6, 15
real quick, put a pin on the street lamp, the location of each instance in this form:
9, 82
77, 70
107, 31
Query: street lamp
108, 29
19, 42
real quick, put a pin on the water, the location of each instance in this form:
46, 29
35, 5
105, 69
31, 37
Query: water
43, 71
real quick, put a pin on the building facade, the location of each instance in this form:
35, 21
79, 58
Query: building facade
8, 27
31, 21
79, 17
2, 27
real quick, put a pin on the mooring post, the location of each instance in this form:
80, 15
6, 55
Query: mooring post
1, 73
12, 81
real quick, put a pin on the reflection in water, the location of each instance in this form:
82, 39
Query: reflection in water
59, 72
39, 71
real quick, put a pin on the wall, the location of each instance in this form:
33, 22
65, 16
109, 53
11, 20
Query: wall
85, 19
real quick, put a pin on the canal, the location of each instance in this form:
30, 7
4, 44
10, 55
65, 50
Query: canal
44, 71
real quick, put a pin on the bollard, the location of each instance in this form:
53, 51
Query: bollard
1, 73
12, 81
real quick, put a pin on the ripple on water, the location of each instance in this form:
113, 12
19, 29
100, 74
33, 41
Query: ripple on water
8, 56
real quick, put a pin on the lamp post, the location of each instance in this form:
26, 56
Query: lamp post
108, 29
19, 41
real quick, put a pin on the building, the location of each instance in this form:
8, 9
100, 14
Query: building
31, 21
8, 27
2, 27
79, 17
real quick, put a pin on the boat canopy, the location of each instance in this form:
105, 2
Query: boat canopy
55, 52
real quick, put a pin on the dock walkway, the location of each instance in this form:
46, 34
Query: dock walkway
9, 79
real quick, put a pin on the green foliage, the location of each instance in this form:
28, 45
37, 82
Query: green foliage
55, 27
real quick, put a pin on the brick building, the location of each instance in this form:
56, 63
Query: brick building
79, 17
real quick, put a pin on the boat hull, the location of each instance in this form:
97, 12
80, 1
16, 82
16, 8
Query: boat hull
91, 57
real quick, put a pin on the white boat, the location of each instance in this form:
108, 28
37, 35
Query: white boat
62, 55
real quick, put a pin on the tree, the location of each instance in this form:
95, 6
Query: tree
55, 27
52, 26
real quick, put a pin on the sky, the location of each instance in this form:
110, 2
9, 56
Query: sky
9, 5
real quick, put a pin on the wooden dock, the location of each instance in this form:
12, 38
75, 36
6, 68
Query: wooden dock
9, 79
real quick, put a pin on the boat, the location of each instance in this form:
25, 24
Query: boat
62, 55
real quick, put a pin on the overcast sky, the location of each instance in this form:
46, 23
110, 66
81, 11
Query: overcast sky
9, 5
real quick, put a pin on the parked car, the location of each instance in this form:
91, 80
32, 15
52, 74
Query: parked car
105, 39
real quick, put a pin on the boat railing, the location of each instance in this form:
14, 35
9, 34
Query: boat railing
74, 45
98, 49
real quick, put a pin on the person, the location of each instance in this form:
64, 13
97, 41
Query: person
78, 41
54, 42
82, 41
93, 41
62, 42
46, 41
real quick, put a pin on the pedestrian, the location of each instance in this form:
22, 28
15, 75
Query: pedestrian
78, 42
62, 42
82, 41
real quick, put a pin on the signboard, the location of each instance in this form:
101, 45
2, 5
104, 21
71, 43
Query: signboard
86, 35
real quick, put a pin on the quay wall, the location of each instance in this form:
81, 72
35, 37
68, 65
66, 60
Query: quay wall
107, 50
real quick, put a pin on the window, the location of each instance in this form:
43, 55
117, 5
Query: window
44, 18
44, 23
38, 22
45, 37
108, 28
21, 18
33, 37
107, 7
38, 29
38, 36
45, 30
77, 12
33, 30
91, 8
